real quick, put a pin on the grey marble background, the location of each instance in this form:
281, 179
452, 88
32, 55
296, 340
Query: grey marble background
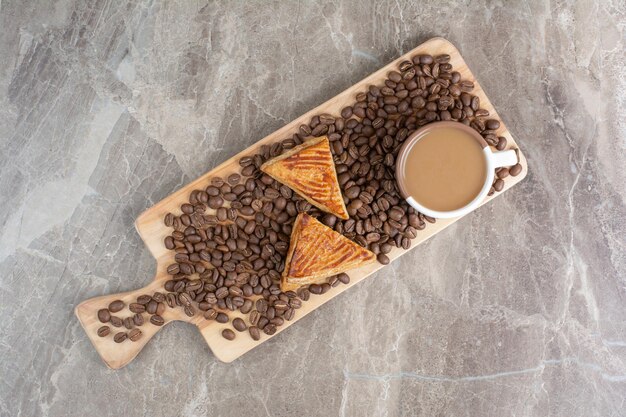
108, 106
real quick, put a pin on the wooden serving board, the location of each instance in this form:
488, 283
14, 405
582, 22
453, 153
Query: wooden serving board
152, 230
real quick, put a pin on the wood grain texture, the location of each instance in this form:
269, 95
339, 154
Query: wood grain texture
150, 227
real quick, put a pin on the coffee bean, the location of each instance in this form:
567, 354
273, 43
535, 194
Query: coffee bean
151, 308
215, 202
344, 278
492, 124
247, 306
116, 306
239, 324
120, 337
246, 161
262, 322
160, 309
228, 334
255, 334
304, 294
189, 311
352, 192
135, 335
277, 321
501, 143
138, 319
173, 269
502, 173
383, 259
466, 86
157, 320
116, 321
442, 59
254, 317
498, 185
305, 130
333, 281
269, 329
234, 179
144, 299
221, 318
103, 315
211, 314
128, 322
104, 331
185, 299
396, 214
295, 303
137, 308
515, 170
289, 314
315, 289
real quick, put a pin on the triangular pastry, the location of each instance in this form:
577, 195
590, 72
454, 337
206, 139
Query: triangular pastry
317, 252
309, 170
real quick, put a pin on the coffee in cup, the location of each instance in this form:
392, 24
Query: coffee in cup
445, 169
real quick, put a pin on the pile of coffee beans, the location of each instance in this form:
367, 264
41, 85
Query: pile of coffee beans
106, 315
231, 238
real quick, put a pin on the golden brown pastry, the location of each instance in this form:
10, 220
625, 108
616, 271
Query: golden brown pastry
309, 170
317, 252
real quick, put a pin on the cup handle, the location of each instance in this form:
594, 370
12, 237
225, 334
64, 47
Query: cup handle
504, 158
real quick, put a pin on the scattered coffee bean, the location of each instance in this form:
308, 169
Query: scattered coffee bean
239, 324
515, 170
138, 320
151, 308
189, 311
315, 289
157, 320
254, 317
104, 331
210, 314
269, 329
135, 335
255, 334
103, 315
144, 299
137, 308
383, 259
120, 337
116, 321
228, 334
116, 306
289, 314
128, 322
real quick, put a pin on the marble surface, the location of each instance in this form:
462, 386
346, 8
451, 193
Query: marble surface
108, 106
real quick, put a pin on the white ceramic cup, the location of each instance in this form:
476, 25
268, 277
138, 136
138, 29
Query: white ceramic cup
493, 160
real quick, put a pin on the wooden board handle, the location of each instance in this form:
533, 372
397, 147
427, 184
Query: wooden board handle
117, 355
